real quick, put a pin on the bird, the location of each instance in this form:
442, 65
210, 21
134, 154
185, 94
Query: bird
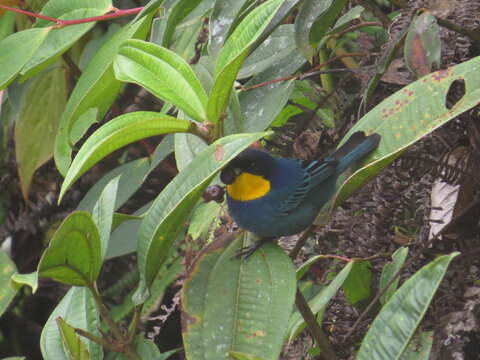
274, 197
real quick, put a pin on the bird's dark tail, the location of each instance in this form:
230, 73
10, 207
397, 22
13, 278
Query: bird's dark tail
355, 148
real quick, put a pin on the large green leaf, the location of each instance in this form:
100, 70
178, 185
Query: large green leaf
7, 290
163, 73
169, 210
35, 130
25, 44
74, 255
408, 115
93, 94
394, 326
318, 303
236, 49
230, 305
77, 308
119, 132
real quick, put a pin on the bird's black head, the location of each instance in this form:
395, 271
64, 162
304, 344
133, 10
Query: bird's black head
252, 161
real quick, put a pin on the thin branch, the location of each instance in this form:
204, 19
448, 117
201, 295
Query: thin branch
472, 34
308, 73
115, 13
326, 349
106, 345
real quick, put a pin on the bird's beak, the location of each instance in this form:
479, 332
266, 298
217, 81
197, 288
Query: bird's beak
229, 174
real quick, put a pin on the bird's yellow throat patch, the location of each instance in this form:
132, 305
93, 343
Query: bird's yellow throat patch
248, 187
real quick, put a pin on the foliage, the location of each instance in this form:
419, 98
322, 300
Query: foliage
215, 96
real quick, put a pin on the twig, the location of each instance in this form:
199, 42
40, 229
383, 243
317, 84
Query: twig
308, 73
472, 34
326, 350
115, 13
106, 345
301, 241
356, 25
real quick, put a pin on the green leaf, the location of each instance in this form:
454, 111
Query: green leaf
30, 279
277, 46
35, 130
119, 132
243, 356
77, 308
132, 175
326, 20
203, 216
60, 40
309, 11
25, 44
408, 115
74, 254
221, 21
124, 238
57, 8
187, 146
390, 269
394, 326
7, 24
150, 8
318, 303
357, 286
103, 213
7, 290
423, 45
236, 49
177, 13
170, 209
163, 73
237, 306
75, 348
94, 93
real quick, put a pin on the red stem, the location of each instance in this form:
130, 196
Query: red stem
116, 13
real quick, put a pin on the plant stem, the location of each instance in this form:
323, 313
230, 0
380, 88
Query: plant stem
326, 350
115, 13
106, 345
126, 346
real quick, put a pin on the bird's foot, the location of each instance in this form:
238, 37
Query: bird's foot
245, 252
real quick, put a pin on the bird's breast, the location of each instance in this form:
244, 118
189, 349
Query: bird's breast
247, 187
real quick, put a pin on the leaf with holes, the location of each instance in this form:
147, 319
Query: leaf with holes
74, 255
408, 115
233, 306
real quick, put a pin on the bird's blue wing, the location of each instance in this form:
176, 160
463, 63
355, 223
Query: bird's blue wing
314, 173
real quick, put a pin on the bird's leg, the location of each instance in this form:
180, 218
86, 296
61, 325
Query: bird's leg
245, 252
